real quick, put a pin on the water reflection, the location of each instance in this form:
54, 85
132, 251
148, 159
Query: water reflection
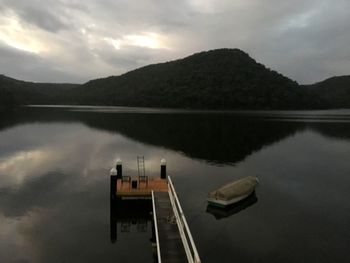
215, 138
220, 213
130, 215
211, 137
54, 202
54, 185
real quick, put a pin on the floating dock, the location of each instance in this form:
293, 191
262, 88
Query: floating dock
173, 237
142, 189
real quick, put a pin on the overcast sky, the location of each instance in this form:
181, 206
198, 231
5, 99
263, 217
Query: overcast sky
75, 40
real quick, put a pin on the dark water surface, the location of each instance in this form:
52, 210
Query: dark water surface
54, 183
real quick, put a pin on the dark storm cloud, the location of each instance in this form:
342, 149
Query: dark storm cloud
45, 20
305, 40
43, 15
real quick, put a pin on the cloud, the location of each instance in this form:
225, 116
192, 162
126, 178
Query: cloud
27, 66
305, 40
48, 15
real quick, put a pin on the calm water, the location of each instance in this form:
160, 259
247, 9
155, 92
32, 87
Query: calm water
54, 183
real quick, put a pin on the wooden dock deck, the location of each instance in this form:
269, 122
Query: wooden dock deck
171, 247
124, 189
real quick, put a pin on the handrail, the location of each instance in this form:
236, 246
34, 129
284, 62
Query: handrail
192, 256
156, 228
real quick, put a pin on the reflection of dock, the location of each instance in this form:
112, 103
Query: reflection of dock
173, 237
130, 215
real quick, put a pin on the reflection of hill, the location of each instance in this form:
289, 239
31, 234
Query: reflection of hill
215, 138
218, 138
339, 130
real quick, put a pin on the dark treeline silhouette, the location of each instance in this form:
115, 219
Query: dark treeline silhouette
217, 79
7, 99
333, 92
16, 92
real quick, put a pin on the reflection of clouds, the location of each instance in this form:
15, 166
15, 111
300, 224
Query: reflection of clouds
29, 151
63, 224
57, 208
10, 242
75, 150
54, 193
14, 169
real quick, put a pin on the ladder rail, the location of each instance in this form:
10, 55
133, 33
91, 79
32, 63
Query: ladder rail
141, 165
141, 170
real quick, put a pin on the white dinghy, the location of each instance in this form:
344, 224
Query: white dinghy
233, 192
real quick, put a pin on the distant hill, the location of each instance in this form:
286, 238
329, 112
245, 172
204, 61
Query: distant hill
17, 92
333, 92
216, 79
7, 97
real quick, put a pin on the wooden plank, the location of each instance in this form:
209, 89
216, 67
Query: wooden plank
171, 247
143, 189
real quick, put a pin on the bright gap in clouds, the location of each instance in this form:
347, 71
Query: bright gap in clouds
14, 35
147, 40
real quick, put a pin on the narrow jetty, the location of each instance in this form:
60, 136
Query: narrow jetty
173, 237
170, 242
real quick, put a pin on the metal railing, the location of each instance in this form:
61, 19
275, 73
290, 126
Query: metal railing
156, 228
185, 233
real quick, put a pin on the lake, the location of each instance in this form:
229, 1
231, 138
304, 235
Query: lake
54, 182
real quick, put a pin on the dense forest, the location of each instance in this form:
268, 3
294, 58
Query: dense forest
216, 79
17, 92
333, 92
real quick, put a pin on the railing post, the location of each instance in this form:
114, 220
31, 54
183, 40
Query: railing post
163, 169
119, 169
113, 186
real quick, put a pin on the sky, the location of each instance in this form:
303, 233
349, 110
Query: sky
75, 41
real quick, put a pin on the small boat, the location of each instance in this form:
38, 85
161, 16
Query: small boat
223, 212
233, 192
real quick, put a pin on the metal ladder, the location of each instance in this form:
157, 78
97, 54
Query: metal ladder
141, 170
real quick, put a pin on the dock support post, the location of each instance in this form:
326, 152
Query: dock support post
119, 169
113, 185
113, 220
163, 169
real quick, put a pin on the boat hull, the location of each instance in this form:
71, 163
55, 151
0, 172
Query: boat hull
224, 203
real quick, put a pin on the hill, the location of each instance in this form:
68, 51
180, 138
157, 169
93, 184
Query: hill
333, 92
17, 92
217, 79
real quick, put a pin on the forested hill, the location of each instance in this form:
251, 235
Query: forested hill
333, 92
216, 79
17, 92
